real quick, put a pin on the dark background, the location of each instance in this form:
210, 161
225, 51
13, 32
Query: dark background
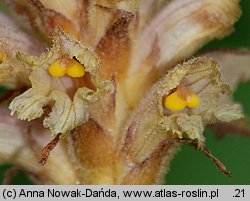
191, 166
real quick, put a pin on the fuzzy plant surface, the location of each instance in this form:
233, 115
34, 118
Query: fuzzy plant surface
107, 92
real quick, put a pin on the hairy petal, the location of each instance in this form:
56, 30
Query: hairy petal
72, 114
235, 67
29, 105
189, 25
235, 64
228, 113
152, 125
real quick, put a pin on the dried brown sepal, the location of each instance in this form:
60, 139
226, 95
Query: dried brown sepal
47, 20
99, 20
114, 47
219, 164
208, 153
48, 148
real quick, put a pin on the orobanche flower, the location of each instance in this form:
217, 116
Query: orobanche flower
99, 92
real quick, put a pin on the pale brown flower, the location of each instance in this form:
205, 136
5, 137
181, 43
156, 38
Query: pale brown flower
112, 123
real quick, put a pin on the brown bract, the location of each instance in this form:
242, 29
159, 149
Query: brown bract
111, 124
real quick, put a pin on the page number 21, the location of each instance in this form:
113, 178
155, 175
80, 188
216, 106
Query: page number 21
239, 193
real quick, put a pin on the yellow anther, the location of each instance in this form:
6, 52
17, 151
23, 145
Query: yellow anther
1, 57
175, 102
66, 66
57, 69
193, 100
75, 69
181, 98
